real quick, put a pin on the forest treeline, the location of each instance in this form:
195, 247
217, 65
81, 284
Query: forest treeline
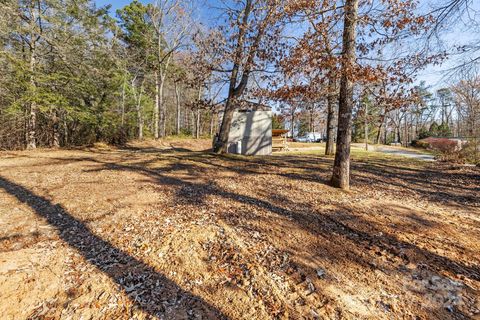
75, 74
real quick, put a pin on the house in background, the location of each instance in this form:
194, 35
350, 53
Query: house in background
251, 131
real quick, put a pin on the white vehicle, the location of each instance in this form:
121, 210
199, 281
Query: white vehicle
310, 137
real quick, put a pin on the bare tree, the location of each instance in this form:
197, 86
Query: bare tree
171, 20
252, 23
467, 99
341, 167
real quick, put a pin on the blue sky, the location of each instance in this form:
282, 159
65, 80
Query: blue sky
115, 4
459, 33
434, 76
205, 6
440, 76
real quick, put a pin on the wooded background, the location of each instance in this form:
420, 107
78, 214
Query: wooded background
74, 74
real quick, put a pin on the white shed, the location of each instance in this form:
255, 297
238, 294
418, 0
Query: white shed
251, 131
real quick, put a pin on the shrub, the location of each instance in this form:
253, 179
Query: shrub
444, 130
443, 144
424, 133
420, 144
433, 131
471, 154
447, 149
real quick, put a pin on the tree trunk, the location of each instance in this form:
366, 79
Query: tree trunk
197, 124
379, 132
32, 109
329, 148
32, 116
55, 130
222, 142
341, 166
417, 121
197, 114
406, 135
292, 123
156, 108
177, 103
366, 126
123, 100
331, 102
65, 129
140, 114
212, 124
235, 90
162, 107
310, 124
184, 122
385, 133
192, 122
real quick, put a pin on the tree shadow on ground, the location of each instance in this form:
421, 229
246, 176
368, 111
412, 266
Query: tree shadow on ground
340, 224
195, 192
436, 185
161, 150
148, 289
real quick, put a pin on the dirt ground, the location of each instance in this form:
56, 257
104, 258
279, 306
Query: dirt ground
166, 230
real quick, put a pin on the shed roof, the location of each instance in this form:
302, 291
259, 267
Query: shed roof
244, 105
278, 132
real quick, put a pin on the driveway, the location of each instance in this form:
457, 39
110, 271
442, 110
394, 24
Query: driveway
405, 153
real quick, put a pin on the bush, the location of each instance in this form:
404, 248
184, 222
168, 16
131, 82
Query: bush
424, 133
433, 130
444, 130
186, 132
420, 144
443, 144
470, 154
447, 149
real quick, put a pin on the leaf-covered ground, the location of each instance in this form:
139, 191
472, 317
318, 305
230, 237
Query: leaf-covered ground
166, 230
